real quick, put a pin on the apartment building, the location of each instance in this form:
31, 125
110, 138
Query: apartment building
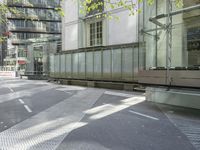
35, 21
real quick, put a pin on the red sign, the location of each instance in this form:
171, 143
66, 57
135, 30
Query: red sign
7, 33
21, 62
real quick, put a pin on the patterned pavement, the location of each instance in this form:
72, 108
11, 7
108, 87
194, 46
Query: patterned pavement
37, 115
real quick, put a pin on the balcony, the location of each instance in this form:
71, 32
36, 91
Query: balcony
34, 30
28, 29
25, 4
18, 41
34, 17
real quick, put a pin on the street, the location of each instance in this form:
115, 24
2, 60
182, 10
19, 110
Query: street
40, 115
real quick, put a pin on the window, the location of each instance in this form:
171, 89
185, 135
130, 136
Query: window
22, 52
59, 46
95, 33
20, 35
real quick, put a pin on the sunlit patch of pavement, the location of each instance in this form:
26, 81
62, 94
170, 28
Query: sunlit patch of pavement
47, 129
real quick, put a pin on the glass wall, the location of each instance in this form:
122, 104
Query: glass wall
35, 25
111, 64
184, 33
36, 13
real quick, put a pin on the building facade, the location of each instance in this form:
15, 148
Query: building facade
98, 49
34, 21
2, 43
80, 31
158, 46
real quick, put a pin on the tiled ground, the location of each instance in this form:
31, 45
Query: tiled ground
36, 115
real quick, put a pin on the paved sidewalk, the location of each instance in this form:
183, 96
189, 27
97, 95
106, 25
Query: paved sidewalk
186, 120
36, 115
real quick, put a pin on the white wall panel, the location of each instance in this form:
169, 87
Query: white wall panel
70, 8
124, 30
70, 25
70, 40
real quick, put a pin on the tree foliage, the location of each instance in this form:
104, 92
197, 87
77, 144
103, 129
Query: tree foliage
90, 5
87, 6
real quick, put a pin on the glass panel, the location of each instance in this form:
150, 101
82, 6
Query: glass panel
89, 64
62, 64
68, 65
185, 38
116, 63
57, 64
97, 64
150, 37
75, 64
52, 63
107, 64
81, 64
135, 61
185, 34
127, 61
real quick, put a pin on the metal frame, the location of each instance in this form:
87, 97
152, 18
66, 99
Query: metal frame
172, 13
168, 41
168, 28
